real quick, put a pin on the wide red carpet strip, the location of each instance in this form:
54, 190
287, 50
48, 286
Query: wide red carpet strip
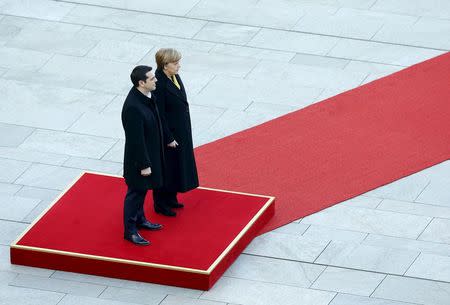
341, 147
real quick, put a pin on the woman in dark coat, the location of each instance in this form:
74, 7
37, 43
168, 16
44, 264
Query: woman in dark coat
180, 168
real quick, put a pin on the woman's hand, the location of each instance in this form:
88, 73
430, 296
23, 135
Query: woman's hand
173, 144
146, 171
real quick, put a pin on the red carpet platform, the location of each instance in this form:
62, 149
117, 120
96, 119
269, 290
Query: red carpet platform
341, 147
83, 232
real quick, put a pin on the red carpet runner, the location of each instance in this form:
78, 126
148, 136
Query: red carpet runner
341, 147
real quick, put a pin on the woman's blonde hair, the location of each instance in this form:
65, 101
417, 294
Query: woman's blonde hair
165, 56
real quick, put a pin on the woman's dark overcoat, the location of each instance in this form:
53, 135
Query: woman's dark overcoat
181, 170
143, 141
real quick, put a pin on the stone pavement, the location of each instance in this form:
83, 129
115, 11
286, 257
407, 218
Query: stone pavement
64, 71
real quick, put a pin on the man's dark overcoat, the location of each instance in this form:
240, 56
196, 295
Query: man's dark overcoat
143, 141
181, 170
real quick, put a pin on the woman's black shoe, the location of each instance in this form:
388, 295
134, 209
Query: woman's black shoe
166, 211
176, 205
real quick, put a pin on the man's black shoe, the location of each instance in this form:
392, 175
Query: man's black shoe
137, 239
176, 205
147, 225
163, 210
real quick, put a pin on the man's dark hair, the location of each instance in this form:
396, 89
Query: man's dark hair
139, 73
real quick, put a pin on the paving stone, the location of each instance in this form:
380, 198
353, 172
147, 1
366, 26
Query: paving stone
94, 165
218, 64
232, 121
203, 117
431, 266
426, 32
135, 21
133, 295
38, 193
13, 135
436, 192
37, 211
319, 61
29, 155
257, 293
9, 189
98, 34
76, 300
227, 33
256, 53
49, 176
115, 154
381, 52
57, 285
58, 98
306, 76
152, 6
8, 32
348, 281
436, 8
292, 228
369, 258
15, 208
437, 231
21, 108
414, 208
102, 125
9, 231
27, 60
351, 21
286, 246
293, 42
47, 79
272, 270
6, 277
177, 300
342, 24
117, 83
362, 202
413, 290
348, 299
162, 289
370, 221
43, 9
369, 67
315, 232
87, 278
10, 170
268, 13
6, 266
122, 51
276, 109
183, 45
41, 24
115, 106
195, 82
15, 295
407, 244
243, 92
68, 143
53, 40
88, 68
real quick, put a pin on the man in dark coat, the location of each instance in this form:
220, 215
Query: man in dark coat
180, 170
143, 159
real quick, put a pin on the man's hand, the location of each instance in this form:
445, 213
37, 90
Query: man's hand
146, 171
173, 144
